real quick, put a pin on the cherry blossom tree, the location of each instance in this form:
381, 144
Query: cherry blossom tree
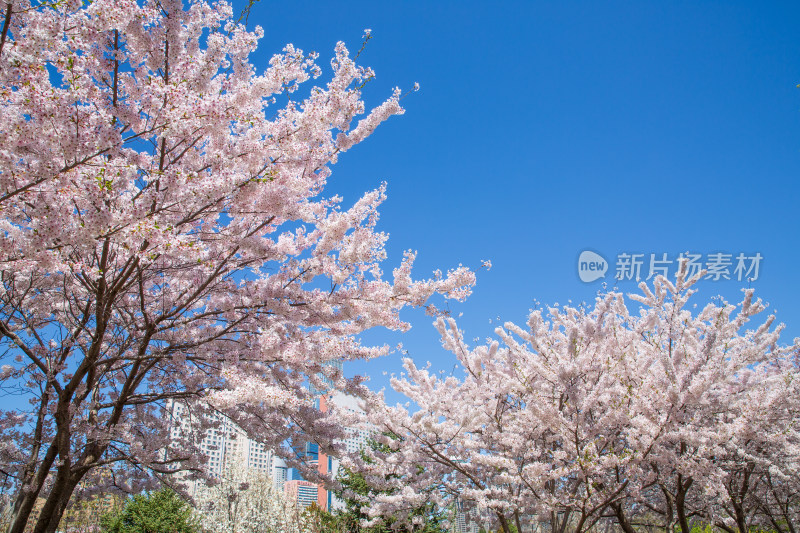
760, 457
165, 237
587, 414
710, 384
245, 502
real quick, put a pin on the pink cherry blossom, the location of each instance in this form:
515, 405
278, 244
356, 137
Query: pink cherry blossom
609, 412
166, 237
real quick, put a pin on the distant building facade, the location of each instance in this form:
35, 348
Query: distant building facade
353, 441
304, 493
228, 446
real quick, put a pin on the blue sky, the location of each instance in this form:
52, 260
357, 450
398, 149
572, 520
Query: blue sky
545, 128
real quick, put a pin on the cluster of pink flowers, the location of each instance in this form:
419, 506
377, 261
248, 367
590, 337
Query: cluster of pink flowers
165, 237
652, 415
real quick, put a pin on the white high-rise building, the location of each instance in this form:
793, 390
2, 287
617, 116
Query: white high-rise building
356, 438
228, 447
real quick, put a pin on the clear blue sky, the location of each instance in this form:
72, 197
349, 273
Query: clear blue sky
545, 128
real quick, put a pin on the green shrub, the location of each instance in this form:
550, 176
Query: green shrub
155, 512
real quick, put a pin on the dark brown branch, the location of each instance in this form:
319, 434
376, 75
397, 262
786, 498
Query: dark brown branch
6, 24
116, 68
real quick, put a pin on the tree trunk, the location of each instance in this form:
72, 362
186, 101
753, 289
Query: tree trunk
741, 519
26, 498
581, 522
503, 523
738, 496
680, 503
56, 503
622, 520
23, 506
669, 514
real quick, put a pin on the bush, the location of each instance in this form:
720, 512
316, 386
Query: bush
156, 512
